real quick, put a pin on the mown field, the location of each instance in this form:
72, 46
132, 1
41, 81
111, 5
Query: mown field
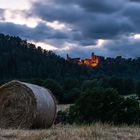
96, 131
72, 132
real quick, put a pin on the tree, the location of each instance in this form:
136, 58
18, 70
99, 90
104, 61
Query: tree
118, 84
90, 84
71, 96
71, 83
129, 113
129, 87
95, 105
55, 87
105, 105
138, 88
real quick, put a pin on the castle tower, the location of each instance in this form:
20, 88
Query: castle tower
68, 58
92, 56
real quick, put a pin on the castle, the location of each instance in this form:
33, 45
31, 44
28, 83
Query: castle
92, 62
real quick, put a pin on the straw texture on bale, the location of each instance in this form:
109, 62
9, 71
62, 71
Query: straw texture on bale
24, 105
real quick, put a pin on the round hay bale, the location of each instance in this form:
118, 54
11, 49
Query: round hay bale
24, 105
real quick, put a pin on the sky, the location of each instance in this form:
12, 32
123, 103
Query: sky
109, 28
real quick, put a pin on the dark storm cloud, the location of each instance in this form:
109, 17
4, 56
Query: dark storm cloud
51, 12
131, 11
40, 33
91, 20
105, 6
87, 42
106, 27
95, 19
87, 21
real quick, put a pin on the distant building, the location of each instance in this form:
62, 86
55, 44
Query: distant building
74, 60
92, 62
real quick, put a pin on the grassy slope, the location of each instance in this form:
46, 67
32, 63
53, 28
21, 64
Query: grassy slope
59, 132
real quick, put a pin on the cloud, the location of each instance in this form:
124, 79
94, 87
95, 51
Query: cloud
126, 47
52, 12
2, 14
134, 0
40, 33
94, 19
86, 22
106, 6
131, 11
91, 20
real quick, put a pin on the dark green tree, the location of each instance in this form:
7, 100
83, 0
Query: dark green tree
118, 84
138, 88
71, 96
129, 87
105, 105
55, 87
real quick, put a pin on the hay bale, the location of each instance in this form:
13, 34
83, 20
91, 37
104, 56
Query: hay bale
24, 105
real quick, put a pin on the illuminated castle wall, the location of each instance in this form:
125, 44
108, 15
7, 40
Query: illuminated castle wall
92, 62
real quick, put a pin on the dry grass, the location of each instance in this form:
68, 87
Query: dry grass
73, 132
96, 131
63, 107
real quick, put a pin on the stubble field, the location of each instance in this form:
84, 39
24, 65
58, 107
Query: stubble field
96, 131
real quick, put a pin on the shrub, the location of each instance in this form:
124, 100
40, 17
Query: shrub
105, 105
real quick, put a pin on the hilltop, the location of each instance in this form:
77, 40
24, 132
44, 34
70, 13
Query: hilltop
26, 62
22, 60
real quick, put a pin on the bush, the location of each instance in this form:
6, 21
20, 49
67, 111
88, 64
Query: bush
105, 105
129, 112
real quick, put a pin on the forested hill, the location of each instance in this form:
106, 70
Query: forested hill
119, 67
22, 60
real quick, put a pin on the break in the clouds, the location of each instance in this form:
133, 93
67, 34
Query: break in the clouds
78, 26
1, 14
